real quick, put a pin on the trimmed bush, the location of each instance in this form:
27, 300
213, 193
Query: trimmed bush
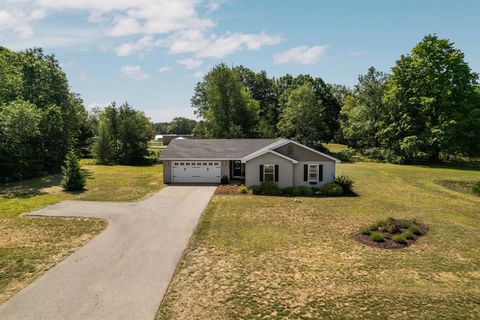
415, 230
331, 189
366, 231
73, 175
409, 235
346, 183
224, 180
400, 238
267, 188
254, 189
243, 189
377, 237
476, 188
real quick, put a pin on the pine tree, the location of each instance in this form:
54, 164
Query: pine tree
73, 175
103, 149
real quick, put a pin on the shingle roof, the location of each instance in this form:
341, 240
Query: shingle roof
213, 148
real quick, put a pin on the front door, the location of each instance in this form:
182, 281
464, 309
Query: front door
237, 168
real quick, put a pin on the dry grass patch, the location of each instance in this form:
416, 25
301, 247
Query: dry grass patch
271, 258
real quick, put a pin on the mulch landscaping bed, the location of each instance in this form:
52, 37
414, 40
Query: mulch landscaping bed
228, 189
388, 243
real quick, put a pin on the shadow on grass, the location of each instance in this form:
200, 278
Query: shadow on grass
28, 188
473, 165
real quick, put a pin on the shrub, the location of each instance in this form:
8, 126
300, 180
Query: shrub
391, 226
224, 180
408, 235
243, 189
268, 188
415, 230
476, 188
400, 238
288, 190
331, 189
73, 175
255, 189
346, 183
377, 237
366, 231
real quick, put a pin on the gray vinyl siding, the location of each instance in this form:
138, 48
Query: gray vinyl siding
167, 171
328, 173
302, 154
225, 168
285, 170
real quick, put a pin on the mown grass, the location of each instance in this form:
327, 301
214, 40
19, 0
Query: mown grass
271, 258
30, 245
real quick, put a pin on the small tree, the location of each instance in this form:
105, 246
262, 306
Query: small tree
103, 148
73, 176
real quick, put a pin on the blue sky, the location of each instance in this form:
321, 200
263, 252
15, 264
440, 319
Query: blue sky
151, 53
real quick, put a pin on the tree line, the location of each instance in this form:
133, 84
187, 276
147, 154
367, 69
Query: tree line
41, 120
427, 109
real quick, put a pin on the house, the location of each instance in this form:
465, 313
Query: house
158, 137
251, 161
167, 138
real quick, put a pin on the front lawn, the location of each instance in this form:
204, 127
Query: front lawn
29, 246
272, 258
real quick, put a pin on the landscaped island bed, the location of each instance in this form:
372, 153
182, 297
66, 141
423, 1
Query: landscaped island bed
273, 258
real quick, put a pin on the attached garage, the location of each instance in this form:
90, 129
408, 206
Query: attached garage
191, 171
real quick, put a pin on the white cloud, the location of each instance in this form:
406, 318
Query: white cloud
140, 46
164, 69
180, 26
190, 63
134, 72
18, 21
195, 41
199, 74
301, 54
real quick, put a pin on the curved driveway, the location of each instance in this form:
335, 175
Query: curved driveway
122, 273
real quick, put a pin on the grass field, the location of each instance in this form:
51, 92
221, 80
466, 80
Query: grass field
258, 257
29, 245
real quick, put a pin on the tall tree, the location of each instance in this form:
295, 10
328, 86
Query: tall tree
36, 78
263, 89
431, 103
123, 135
362, 112
304, 118
225, 105
181, 125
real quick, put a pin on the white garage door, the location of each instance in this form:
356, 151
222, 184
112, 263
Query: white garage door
196, 171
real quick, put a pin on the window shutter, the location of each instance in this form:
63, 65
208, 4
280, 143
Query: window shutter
305, 172
320, 172
276, 173
261, 173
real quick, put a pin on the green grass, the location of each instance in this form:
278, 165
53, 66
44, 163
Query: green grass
29, 245
272, 258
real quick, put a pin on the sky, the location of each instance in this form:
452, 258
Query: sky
151, 53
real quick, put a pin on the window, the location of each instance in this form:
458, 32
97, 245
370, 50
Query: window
312, 172
181, 163
176, 163
268, 172
187, 164
204, 163
216, 163
210, 164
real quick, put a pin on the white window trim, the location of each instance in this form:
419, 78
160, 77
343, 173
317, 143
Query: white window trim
273, 174
308, 172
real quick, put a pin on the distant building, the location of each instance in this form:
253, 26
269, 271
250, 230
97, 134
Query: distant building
167, 138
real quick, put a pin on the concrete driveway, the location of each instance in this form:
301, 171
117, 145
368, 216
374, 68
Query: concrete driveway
122, 273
